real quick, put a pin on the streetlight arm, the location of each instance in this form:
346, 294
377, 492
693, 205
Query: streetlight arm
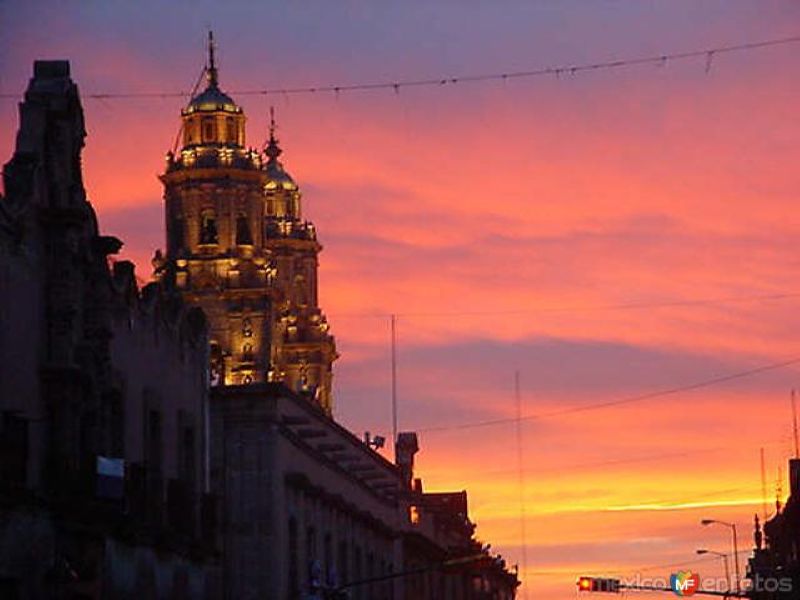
732, 526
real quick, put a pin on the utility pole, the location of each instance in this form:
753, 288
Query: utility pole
394, 383
521, 480
763, 485
794, 427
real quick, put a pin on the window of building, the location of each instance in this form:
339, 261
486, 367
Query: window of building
344, 575
208, 227
88, 440
384, 587
217, 365
327, 553
370, 573
153, 437
243, 237
14, 449
208, 129
188, 455
247, 327
230, 125
300, 296
311, 543
294, 582
154, 457
311, 557
358, 573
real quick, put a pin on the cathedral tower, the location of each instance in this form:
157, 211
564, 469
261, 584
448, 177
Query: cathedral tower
238, 247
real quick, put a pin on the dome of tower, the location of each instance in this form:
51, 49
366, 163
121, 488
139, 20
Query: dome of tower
213, 129
277, 177
212, 99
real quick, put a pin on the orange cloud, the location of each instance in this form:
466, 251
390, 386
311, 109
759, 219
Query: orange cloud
512, 227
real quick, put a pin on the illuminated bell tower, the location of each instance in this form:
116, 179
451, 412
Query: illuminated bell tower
303, 350
213, 192
238, 248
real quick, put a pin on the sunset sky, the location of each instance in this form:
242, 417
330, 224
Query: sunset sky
606, 234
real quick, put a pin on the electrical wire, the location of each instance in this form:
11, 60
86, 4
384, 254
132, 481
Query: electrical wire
397, 85
621, 402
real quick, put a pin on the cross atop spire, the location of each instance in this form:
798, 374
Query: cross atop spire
273, 151
211, 68
271, 122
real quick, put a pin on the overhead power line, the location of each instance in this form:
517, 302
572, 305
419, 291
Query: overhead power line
613, 403
396, 85
576, 308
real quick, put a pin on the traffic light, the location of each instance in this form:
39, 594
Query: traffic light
598, 584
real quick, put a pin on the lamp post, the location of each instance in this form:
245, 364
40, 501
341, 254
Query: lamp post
724, 558
732, 526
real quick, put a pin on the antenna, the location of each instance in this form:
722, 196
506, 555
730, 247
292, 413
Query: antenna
794, 426
779, 491
763, 485
521, 478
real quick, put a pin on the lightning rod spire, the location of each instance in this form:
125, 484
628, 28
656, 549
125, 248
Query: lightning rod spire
211, 68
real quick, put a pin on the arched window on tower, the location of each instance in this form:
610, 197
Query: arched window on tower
292, 204
243, 237
208, 227
247, 327
230, 126
300, 295
208, 129
217, 366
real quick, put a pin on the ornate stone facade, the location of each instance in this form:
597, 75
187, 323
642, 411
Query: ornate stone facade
103, 395
99, 373
238, 247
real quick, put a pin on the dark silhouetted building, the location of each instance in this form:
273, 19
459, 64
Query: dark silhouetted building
177, 441
103, 390
774, 569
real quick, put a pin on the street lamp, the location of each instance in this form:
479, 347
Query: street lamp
724, 558
732, 526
